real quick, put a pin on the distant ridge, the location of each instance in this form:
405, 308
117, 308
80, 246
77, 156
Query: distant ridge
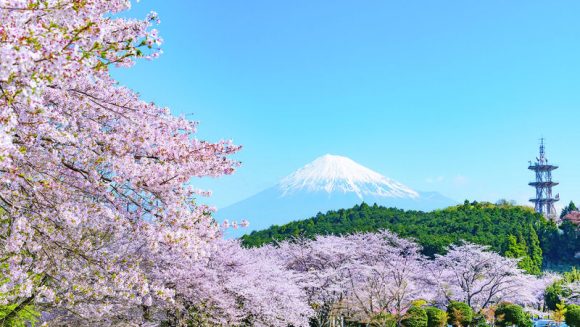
329, 182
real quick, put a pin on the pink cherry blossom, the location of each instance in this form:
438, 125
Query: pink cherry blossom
356, 275
472, 274
95, 181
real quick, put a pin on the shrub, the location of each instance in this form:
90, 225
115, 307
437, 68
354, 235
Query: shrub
573, 316
508, 314
415, 317
436, 317
560, 313
459, 314
552, 295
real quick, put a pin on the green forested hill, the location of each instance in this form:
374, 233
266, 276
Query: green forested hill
514, 231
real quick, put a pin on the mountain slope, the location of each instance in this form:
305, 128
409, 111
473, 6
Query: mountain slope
329, 182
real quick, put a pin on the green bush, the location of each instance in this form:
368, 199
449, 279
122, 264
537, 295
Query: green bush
552, 295
573, 316
508, 314
459, 314
479, 320
415, 317
436, 317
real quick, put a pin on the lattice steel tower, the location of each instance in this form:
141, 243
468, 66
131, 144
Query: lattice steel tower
544, 201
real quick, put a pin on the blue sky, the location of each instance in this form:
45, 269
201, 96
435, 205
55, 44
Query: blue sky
448, 96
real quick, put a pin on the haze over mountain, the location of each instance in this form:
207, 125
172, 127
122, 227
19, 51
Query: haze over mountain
328, 183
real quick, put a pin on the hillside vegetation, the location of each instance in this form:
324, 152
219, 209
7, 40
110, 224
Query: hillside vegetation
514, 231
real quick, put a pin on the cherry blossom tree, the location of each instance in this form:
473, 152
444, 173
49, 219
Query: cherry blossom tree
358, 275
94, 181
533, 296
472, 274
235, 286
386, 275
319, 265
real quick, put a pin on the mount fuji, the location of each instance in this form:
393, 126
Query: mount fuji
330, 182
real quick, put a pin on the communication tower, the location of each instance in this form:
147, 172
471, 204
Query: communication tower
544, 201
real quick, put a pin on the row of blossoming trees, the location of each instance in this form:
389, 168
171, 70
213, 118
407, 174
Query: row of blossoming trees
99, 226
364, 276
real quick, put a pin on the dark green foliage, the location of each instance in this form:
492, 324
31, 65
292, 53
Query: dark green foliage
527, 248
552, 295
479, 321
459, 314
573, 316
482, 223
415, 317
535, 249
567, 209
508, 314
569, 240
517, 248
555, 292
436, 317
562, 243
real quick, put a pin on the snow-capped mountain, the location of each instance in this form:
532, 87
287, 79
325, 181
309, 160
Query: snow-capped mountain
330, 182
332, 174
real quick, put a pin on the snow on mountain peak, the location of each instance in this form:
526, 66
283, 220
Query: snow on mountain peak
332, 173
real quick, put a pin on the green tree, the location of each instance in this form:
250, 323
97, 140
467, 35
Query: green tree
573, 316
535, 250
567, 209
569, 239
560, 313
552, 295
517, 248
436, 317
459, 314
508, 314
